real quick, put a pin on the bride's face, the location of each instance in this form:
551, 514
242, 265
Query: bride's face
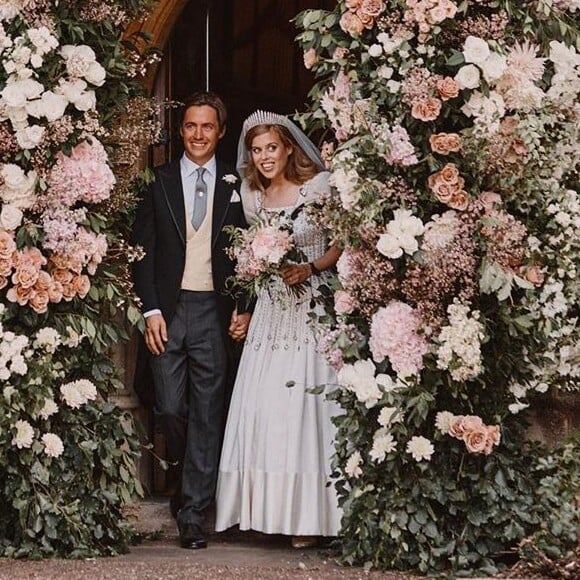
270, 155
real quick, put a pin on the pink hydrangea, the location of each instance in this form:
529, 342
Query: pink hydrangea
83, 176
394, 336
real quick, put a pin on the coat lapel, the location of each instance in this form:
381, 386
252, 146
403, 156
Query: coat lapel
221, 202
170, 182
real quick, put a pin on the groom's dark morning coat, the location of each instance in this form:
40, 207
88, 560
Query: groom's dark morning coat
160, 229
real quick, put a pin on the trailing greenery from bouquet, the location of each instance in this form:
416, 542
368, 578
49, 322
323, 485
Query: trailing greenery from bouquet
72, 128
451, 135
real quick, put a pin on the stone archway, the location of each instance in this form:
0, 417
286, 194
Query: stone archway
159, 25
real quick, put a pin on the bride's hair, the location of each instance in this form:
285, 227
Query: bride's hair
300, 167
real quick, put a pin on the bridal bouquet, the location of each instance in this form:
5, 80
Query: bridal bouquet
260, 251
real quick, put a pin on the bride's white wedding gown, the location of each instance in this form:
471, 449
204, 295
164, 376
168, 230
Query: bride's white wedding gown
274, 473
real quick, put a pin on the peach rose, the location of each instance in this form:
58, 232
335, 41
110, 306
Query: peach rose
55, 291
62, 276
310, 58
25, 275
5, 267
447, 88
450, 174
353, 4
459, 200
7, 245
43, 282
39, 301
351, 24
426, 109
476, 439
81, 285
372, 7
445, 143
19, 294
443, 191
68, 291
534, 275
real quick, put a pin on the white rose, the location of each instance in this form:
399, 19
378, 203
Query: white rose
24, 435
468, 77
50, 105
475, 50
78, 59
53, 446
71, 90
96, 74
388, 245
385, 72
13, 95
494, 67
86, 102
375, 50
18, 187
393, 86
18, 117
10, 217
30, 137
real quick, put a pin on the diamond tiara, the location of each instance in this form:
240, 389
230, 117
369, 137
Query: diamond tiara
265, 118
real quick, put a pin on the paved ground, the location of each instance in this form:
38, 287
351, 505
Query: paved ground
231, 555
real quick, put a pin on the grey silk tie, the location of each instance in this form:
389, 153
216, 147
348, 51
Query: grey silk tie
200, 199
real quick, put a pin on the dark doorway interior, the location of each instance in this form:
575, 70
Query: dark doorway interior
254, 61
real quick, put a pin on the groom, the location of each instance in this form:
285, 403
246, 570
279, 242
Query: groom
181, 283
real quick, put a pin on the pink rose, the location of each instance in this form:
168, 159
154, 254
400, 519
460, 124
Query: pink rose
7, 245
81, 285
55, 292
38, 301
476, 439
19, 294
25, 275
489, 199
351, 24
343, 302
459, 200
534, 275
447, 88
456, 429
445, 143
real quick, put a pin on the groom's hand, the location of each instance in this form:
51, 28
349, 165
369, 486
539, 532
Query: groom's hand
155, 333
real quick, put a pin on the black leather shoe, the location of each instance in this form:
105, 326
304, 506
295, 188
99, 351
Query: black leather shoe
191, 537
193, 543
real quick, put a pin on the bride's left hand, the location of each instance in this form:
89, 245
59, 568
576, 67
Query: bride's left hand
293, 274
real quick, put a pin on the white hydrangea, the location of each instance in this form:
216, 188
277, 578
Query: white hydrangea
420, 448
460, 343
24, 435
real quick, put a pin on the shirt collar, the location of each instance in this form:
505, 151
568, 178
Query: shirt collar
188, 167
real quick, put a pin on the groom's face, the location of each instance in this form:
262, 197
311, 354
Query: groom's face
201, 133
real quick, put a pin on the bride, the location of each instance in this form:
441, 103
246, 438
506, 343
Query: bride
274, 475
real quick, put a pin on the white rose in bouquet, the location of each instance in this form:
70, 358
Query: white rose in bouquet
10, 217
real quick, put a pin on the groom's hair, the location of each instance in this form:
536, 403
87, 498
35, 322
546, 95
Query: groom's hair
210, 99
